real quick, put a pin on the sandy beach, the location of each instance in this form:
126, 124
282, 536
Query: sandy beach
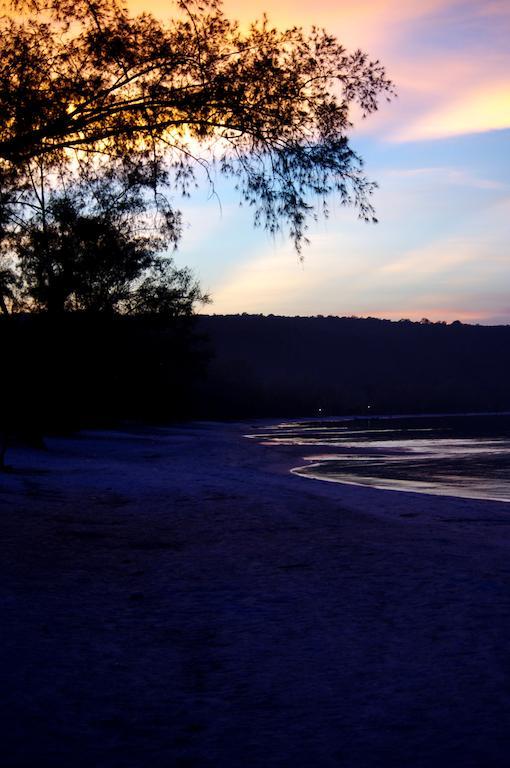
175, 597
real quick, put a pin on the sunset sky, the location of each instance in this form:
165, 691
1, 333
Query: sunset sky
441, 155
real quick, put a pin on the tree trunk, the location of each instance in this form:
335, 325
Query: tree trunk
4, 441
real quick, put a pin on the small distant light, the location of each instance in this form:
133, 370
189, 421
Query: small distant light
369, 407
320, 410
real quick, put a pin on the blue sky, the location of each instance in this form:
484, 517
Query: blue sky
440, 153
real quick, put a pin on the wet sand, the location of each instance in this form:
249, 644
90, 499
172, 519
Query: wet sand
177, 598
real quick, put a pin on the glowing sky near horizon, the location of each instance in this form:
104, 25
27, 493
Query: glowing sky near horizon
440, 153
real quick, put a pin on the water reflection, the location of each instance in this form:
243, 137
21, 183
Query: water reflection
466, 456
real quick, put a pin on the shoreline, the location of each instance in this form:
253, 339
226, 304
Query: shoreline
385, 484
178, 597
351, 449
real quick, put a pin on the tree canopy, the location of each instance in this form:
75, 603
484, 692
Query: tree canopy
95, 248
107, 117
85, 82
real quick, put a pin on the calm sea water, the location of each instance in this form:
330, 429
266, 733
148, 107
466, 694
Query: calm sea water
466, 456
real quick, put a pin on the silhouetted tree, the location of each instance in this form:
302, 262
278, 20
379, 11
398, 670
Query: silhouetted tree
9, 290
97, 248
270, 107
86, 249
90, 93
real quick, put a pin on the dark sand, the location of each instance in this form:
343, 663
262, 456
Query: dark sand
178, 599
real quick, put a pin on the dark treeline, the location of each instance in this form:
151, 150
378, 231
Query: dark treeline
100, 111
294, 366
77, 370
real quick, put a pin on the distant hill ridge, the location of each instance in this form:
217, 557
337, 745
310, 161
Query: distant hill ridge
275, 365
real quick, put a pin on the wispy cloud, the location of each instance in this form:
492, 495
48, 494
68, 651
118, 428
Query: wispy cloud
484, 109
431, 261
369, 272
441, 250
448, 175
449, 58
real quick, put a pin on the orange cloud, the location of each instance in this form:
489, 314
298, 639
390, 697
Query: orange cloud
485, 109
444, 90
356, 24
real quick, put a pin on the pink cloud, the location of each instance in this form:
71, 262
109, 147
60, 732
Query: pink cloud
485, 108
444, 89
